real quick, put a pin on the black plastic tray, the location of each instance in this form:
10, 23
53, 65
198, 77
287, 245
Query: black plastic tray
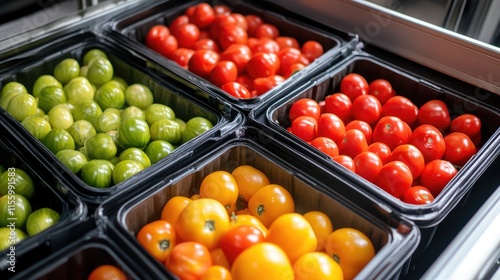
132, 28
50, 191
133, 67
311, 186
273, 115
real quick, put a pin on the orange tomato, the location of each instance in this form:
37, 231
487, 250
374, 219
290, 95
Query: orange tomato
317, 266
351, 248
107, 272
219, 258
217, 272
321, 225
249, 180
203, 220
189, 260
158, 238
173, 208
247, 219
293, 233
263, 261
270, 202
220, 185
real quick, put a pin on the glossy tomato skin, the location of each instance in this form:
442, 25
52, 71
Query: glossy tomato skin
105, 272
367, 108
312, 49
173, 208
264, 84
346, 161
179, 21
363, 127
395, 178
401, 107
434, 112
155, 35
239, 238
232, 34
331, 126
265, 45
326, 145
382, 150
305, 127
436, 175
304, 107
316, 266
459, 148
182, 56
353, 143
186, 35
339, 104
253, 22
411, 156
288, 57
287, 42
354, 85
158, 238
202, 16
202, 62
368, 165
266, 30
262, 65
206, 44
236, 89
429, 141
223, 72
239, 54
221, 186
468, 124
381, 89
418, 195
270, 202
294, 68
249, 180
217, 272
245, 81
321, 225
189, 260
392, 131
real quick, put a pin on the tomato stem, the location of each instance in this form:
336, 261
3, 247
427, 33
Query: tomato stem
260, 210
336, 258
210, 225
164, 244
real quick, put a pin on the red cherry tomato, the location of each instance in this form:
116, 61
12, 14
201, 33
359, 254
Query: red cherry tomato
221, 9
202, 62
182, 56
202, 16
264, 84
395, 178
468, 124
436, 175
186, 35
382, 150
353, 85
345, 161
367, 108
312, 50
179, 21
288, 57
326, 145
263, 65
245, 81
429, 141
206, 44
294, 68
232, 34
304, 107
331, 126
418, 195
411, 156
189, 260
287, 42
241, 21
353, 143
265, 45
267, 30
382, 90
223, 72
392, 131
458, 148
401, 107
363, 127
236, 89
253, 22
239, 54
239, 238
434, 112
340, 105
156, 35
220, 21
368, 165
305, 127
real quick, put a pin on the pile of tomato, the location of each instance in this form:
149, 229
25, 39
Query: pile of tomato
241, 226
411, 152
242, 54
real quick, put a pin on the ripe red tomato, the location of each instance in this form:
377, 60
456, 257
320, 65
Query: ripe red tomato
436, 175
288, 57
312, 50
220, 21
253, 22
340, 105
239, 54
326, 145
363, 127
401, 107
368, 165
202, 62
206, 44
189, 260
264, 84
353, 143
202, 16
221, 9
434, 112
367, 108
223, 72
179, 21
241, 21
429, 141
354, 85
245, 81
345, 161
155, 35
468, 124
186, 35
165, 46
305, 127
267, 30
182, 56
239, 238
304, 107
392, 131
395, 178
287, 42
411, 156
263, 65
265, 45
236, 89
382, 150
331, 126
418, 195
382, 90
232, 34
458, 148
294, 68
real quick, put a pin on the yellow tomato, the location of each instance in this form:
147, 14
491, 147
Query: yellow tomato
203, 220
158, 238
317, 266
322, 226
270, 202
351, 248
249, 180
219, 258
173, 208
293, 234
220, 185
217, 272
247, 219
263, 261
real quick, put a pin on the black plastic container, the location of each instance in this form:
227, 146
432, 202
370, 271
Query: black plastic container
134, 68
50, 192
133, 26
273, 115
86, 247
311, 186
